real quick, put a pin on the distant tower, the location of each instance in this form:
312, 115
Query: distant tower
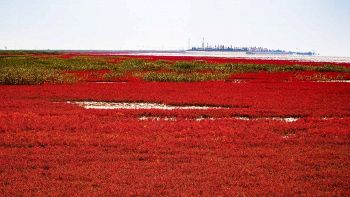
5, 47
203, 44
189, 44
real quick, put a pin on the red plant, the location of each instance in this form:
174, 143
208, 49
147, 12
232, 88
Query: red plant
51, 147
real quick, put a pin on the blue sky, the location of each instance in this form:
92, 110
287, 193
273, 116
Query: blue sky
321, 25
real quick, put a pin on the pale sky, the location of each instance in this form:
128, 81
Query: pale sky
321, 25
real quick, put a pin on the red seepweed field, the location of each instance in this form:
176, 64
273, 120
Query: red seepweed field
257, 133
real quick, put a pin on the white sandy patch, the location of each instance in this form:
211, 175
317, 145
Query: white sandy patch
237, 81
288, 136
157, 118
290, 119
335, 81
124, 105
201, 119
108, 82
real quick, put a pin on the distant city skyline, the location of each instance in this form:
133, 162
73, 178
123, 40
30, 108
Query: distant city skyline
298, 25
207, 44
206, 47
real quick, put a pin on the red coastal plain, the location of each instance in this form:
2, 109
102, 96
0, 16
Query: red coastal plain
270, 134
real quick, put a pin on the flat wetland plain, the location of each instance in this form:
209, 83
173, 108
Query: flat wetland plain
95, 124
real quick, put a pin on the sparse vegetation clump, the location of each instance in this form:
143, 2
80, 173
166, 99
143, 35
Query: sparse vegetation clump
33, 75
319, 77
184, 77
29, 70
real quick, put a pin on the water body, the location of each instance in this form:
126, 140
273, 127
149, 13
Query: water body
312, 58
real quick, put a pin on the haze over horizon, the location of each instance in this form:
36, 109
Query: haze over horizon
299, 25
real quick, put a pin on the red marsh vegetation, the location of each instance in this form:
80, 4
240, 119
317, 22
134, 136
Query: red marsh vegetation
270, 131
